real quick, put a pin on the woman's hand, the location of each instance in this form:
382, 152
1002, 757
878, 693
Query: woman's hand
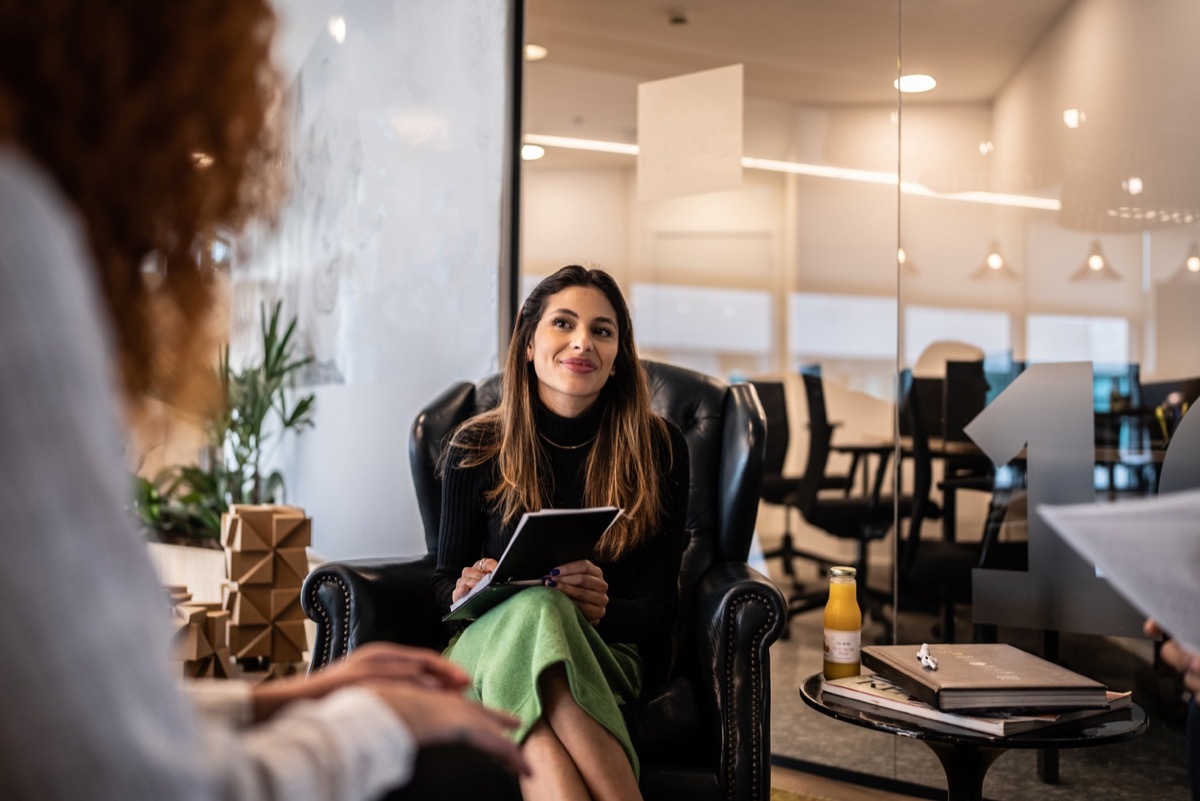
584, 584
440, 717
376, 663
1182, 660
472, 576
419, 686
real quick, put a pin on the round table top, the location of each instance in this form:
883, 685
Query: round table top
1112, 727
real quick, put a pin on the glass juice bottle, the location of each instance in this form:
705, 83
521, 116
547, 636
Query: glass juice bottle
843, 625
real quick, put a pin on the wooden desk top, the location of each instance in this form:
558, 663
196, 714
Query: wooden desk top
1104, 455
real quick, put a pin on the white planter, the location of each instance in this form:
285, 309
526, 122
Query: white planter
201, 570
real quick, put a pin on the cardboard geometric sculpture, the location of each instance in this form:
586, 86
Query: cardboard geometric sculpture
201, 637
266, 562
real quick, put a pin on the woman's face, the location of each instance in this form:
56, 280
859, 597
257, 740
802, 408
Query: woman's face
574, 349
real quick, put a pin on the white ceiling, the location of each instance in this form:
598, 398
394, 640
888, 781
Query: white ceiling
812, 52
1006, 71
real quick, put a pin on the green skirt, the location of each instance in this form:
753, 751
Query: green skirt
506, 650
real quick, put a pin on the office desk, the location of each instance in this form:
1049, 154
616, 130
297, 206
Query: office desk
966, 467
860, 452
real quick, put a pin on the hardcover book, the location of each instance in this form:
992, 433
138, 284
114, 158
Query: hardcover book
876, 691
984, 676
542, 541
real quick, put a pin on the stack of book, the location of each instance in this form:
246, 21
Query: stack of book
991, 688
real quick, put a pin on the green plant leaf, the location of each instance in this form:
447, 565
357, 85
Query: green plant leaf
189, 500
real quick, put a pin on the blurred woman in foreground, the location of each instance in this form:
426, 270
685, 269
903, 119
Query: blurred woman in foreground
131, 132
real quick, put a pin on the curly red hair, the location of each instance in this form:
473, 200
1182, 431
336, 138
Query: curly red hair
154, 118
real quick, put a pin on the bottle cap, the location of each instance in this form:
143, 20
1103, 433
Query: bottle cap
842, 571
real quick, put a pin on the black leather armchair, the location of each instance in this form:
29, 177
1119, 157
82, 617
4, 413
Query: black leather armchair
705, 733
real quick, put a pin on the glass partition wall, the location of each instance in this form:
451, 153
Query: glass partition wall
1016, 245
1049, 301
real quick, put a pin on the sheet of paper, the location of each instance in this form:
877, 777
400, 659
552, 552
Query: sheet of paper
1149, 549
689, 131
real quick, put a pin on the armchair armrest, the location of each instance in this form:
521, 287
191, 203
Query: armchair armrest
357, 601
739, 614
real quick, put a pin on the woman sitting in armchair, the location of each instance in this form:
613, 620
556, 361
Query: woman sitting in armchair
573, 428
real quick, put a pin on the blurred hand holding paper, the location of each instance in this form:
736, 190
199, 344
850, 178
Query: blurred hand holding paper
1148, 549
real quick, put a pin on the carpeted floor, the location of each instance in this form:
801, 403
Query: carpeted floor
1151, 766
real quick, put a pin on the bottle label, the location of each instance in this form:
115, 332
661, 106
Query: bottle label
843, 647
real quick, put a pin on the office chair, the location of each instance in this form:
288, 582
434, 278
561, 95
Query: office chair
782, 490
948, 404
862, 519
818, 417
935, 575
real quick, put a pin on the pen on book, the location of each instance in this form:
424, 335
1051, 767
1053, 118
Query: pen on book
529, 582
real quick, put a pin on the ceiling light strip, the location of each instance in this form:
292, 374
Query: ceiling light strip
818, 171
570, 143
993, 198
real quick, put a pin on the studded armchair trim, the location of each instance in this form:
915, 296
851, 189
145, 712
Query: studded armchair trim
330, 609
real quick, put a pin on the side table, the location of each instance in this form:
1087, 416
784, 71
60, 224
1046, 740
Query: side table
966, 755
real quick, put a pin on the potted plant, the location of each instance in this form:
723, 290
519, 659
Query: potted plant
183, 504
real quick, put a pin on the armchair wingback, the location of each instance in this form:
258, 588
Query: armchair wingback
705, 732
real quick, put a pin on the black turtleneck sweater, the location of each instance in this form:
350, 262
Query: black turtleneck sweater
642, 586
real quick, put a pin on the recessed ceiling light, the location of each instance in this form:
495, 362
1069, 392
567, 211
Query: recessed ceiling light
985, 148
914, 83
337, 29
532, 152
535, 52
1132, 185
1073, 118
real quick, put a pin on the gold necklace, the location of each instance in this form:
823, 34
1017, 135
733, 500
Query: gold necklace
568, 447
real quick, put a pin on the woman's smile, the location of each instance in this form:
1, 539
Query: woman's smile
579, 365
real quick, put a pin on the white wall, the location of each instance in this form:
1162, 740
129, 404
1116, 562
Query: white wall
388, 249
574, 216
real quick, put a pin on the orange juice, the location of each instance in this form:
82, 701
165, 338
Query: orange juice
843, 625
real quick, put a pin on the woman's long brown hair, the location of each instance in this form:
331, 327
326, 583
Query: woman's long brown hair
152, 117
623, 465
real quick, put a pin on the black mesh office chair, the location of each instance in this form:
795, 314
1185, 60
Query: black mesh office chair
862, 518
935, 575
818, 418
783, 490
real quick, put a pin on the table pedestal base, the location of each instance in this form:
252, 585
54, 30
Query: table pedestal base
965, 767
